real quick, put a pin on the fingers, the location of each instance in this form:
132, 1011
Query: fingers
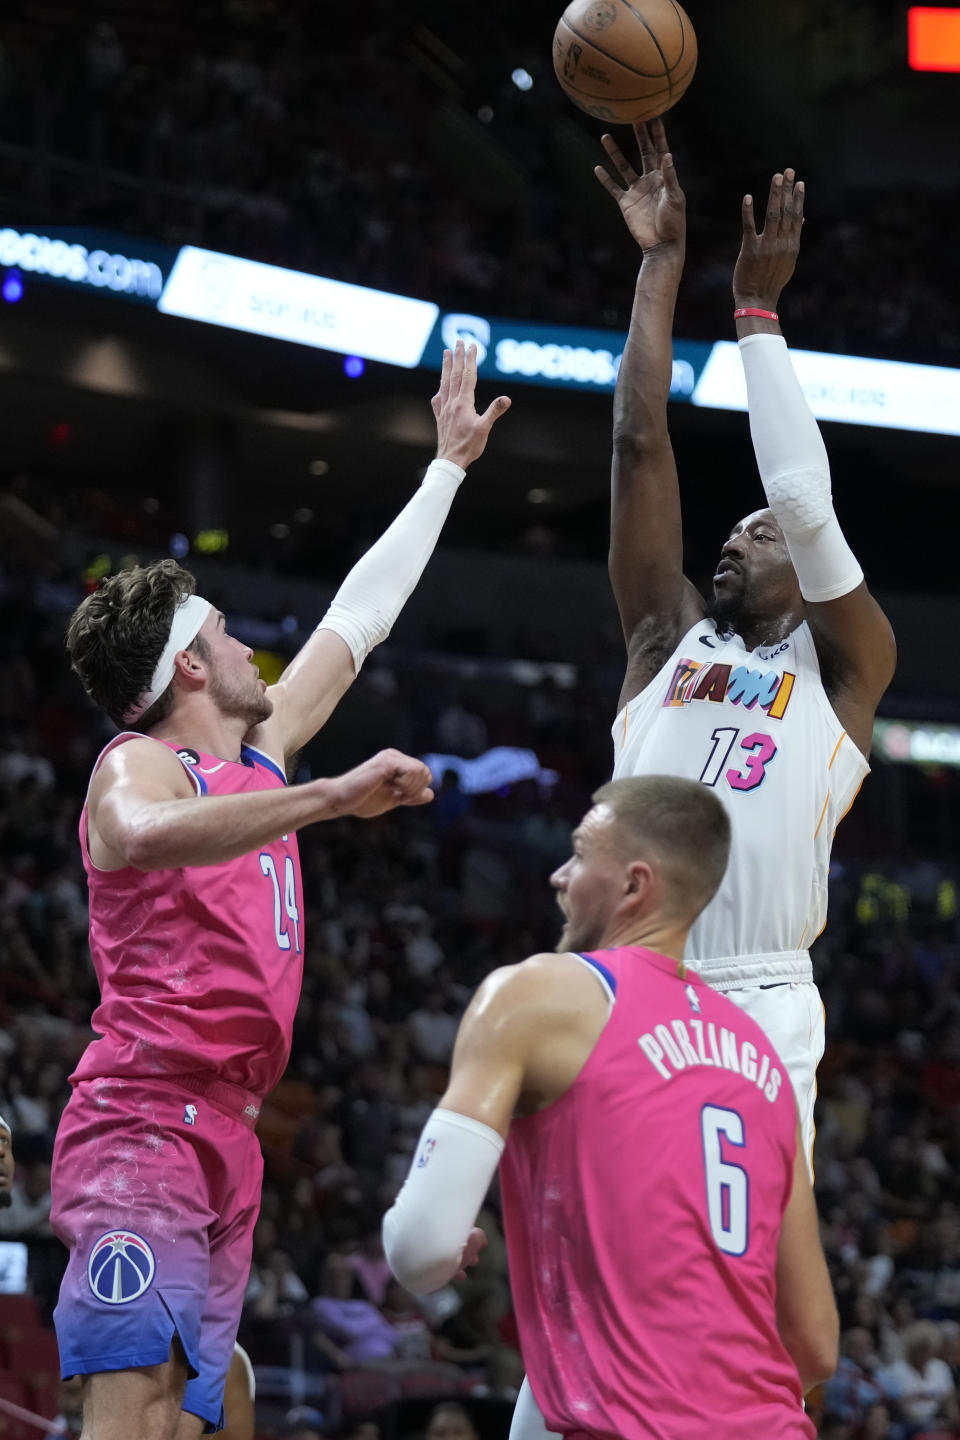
439, 400
669, 173
648, 148
456, 368
615, 190
659, 133
409, 776
625, 170
494, 410
786, 199
422, 797
747, 216
468, 378
774, 204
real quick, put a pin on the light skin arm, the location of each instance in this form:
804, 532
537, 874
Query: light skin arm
852, 634
143, 810
521, 1044
323, 670
656, 603
806, 1310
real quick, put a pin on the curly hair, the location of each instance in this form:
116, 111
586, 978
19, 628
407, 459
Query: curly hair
116, 636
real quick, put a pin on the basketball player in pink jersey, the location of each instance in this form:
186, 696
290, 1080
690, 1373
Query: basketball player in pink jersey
766, 692
662, 1238
188, 836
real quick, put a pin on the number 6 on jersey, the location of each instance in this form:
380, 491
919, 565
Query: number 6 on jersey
728, 1185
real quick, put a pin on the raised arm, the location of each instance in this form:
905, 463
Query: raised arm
851, 632
144, 812
806, 1310
368, 602
655, 602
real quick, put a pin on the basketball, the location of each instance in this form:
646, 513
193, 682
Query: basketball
624, 60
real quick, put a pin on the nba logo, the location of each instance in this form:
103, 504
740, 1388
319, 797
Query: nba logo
426, 1153
189, 1114
571, 60
120, 1268
693, 998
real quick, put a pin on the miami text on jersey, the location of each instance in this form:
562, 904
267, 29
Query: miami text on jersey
699, 680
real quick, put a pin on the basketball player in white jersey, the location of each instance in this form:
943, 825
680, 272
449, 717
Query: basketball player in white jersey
767, 691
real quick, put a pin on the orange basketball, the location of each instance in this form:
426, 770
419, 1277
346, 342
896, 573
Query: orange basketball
624, 60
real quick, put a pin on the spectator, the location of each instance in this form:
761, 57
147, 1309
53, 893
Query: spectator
450, 1421
921, 1383
432, 1029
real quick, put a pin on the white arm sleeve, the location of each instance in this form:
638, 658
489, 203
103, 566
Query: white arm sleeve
426, 1228
795, 471
527, 1422
368, 602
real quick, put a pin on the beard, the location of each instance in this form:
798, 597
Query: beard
241, 699
726, 611
577, 938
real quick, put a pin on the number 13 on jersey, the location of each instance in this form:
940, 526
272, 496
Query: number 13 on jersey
754, 753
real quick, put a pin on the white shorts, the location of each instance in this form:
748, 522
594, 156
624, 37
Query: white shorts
792, 1016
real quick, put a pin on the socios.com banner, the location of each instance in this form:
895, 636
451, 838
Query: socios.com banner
96, 259
247, 295
564, 355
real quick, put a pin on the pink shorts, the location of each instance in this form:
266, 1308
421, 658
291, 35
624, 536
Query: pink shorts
156, 1190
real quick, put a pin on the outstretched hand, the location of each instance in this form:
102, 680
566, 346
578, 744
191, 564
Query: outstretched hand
767, 261
385, 782
462, 434
652, 203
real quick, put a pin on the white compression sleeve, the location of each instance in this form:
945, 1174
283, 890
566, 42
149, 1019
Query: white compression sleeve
426, 1228
368, 602
527, 1422
795, 471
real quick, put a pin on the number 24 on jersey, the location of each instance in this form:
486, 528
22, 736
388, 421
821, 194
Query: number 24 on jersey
286, 910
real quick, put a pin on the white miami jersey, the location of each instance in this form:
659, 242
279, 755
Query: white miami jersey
757, 727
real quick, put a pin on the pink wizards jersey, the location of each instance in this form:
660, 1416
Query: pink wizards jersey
199, 968
642, 1213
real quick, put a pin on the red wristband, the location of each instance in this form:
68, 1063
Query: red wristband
760, 314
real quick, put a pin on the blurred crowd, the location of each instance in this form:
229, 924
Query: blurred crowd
404, 916
404, 156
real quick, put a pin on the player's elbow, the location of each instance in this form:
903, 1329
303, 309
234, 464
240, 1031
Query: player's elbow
637, 442
142, 845
421, 1262
814, 1349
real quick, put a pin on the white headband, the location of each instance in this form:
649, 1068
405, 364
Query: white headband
5, 1126
184, 628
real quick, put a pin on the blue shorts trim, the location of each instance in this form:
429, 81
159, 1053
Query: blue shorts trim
144, 1332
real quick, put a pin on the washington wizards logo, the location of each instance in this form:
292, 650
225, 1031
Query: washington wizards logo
121, 1267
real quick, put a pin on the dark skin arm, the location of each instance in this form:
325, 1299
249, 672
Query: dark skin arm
657, 604
852, 635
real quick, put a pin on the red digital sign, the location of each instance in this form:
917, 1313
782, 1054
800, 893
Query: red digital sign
933, 38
